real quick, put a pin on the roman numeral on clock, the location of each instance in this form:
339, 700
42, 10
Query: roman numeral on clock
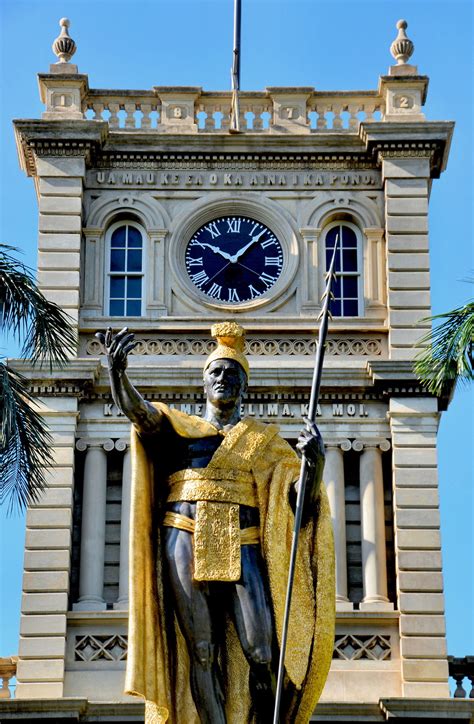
253, 292
273, 261
200, 278
233, 226
267, 279
267, 242
213, 229
233, 296
195, 262
215, 291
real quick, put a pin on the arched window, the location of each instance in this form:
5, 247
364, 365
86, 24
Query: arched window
347, 287
125, 270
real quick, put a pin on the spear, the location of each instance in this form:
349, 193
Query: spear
313, 406
235, 72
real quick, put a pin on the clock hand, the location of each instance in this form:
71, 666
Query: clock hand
249, 269
218, 272
247, 246
215, 249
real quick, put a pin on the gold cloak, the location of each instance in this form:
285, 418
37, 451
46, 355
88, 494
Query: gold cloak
158, 662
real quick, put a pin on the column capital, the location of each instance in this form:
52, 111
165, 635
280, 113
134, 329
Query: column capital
122, 445
371, 443
342, 444
374, 233
310, 233
157, 234
84, 444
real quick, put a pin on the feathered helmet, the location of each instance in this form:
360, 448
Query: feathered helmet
230, 338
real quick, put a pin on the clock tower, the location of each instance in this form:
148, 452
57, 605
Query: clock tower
152, 215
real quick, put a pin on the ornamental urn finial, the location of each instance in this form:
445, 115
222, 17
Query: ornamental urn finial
402, 47
64, 47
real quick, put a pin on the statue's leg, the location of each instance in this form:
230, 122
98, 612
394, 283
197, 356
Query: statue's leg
254, 624
191, 605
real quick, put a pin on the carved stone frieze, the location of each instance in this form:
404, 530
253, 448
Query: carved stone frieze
293, 346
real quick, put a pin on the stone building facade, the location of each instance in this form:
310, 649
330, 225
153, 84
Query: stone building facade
128, 183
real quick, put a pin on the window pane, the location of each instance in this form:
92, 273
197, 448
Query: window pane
134, 308
331, 237
134, 288
349, 257
116, 308
351, 308
349, 286
117, 260
134, 237
349, 239
336, 287
335, 307
117, 287
118, 237
134, 257
337, 264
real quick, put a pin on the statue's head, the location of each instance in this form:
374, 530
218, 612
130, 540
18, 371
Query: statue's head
226, 369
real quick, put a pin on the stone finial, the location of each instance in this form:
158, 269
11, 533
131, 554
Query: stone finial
402, 47
64, 47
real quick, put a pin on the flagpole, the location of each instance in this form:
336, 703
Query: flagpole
313, 406
235, 71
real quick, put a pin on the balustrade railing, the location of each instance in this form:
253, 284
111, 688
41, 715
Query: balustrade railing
131, 110
7, 673
142, 111
461, 669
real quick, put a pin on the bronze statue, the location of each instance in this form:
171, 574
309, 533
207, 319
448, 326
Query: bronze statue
212, 502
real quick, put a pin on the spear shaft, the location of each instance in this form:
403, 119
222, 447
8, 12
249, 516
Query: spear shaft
235, 71
304, 470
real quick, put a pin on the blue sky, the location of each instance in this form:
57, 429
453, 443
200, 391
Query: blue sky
332, 45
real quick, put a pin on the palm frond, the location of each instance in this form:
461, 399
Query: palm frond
448, 350
26, 313
24, 443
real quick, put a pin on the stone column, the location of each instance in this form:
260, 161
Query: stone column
91, 578
122, 602
374, 562
334, 480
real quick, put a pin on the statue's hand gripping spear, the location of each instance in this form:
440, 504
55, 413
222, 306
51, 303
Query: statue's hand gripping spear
305, 471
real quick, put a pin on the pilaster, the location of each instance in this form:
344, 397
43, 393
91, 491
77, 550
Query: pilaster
414, 424
40, 672
59, 244
406, 186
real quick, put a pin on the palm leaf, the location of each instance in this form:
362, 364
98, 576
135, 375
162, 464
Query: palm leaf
27, 314
24, 443
448, 356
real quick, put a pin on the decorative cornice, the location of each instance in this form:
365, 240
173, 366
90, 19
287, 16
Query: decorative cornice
36, 138
74, 379
414, 139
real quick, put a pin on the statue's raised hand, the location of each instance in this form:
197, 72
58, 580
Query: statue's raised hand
117, 347
310, 444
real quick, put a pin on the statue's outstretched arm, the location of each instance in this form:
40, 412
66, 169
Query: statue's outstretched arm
127, 398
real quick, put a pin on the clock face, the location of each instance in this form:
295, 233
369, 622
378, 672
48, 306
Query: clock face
234, 259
